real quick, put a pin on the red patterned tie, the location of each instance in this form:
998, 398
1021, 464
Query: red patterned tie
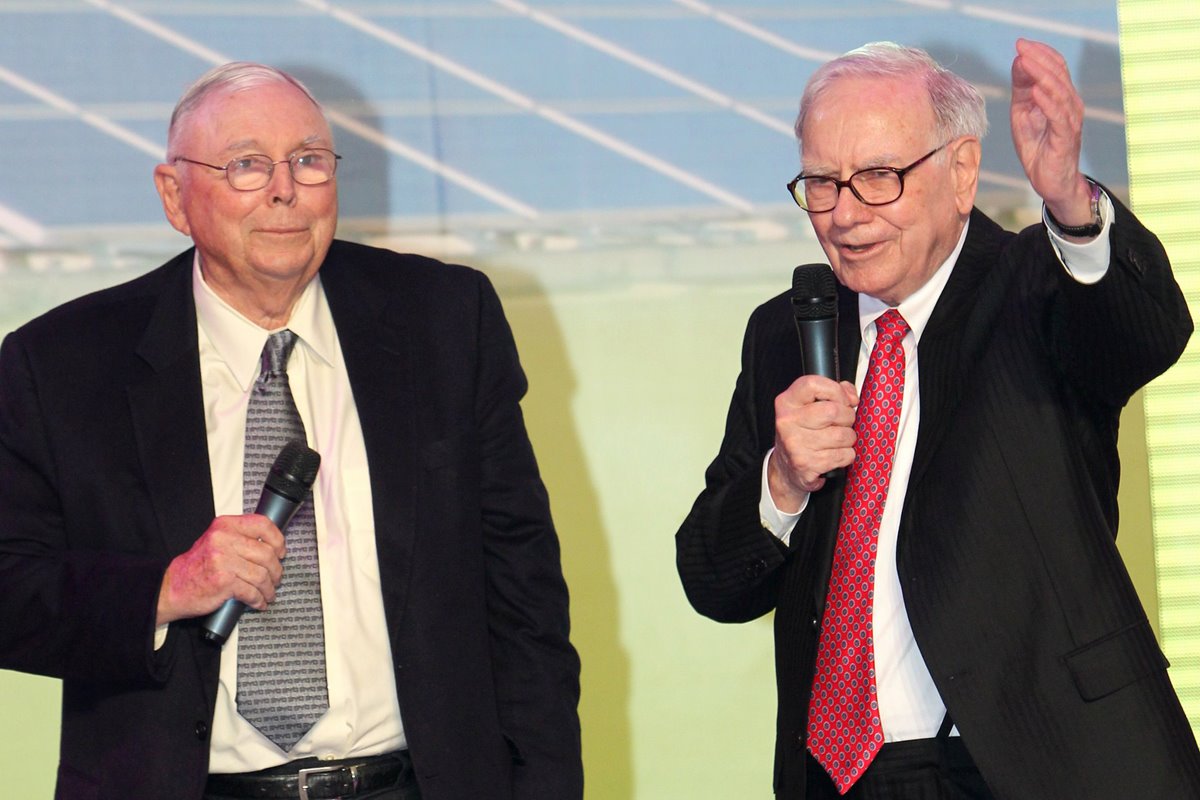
844, 732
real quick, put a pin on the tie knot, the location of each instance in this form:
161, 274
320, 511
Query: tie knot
276, 351
890, 327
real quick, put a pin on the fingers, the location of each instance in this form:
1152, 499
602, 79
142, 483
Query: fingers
809, 389
265, 532
1045, 71
814, 434
249, 550
237, 557
1047, 124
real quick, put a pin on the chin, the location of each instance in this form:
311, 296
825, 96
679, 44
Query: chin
284, 267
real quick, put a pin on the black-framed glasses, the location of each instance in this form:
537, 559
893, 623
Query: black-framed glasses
311, 167
874, 186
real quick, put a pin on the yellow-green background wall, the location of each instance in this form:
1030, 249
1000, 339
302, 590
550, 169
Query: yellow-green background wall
629, 384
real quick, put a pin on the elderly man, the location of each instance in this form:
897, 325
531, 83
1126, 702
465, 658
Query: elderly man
408, 637
952, 619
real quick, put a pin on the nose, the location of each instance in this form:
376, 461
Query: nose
282, 186
849, 209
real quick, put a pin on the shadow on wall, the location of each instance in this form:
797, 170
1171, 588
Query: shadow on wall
363, 172
587, 561
364, 204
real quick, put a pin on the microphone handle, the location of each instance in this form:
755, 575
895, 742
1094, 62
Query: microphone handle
818, 348
279, 509
818, 343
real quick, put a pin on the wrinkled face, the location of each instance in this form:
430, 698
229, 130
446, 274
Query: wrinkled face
890, 251
251, 241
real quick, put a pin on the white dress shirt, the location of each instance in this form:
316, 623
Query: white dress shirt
910, 706
364, 713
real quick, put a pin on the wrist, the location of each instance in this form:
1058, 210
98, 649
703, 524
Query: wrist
785, 495
1088, 230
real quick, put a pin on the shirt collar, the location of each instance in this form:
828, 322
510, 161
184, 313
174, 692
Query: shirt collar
239, 342
918, 307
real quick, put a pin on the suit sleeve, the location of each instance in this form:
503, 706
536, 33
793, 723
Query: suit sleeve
70, 609
1112, 337
536, 669
728, 562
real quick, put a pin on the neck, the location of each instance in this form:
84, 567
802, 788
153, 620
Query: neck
268, 304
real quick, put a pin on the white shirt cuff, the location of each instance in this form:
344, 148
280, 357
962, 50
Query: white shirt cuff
779, 523
1087, 262
160, 635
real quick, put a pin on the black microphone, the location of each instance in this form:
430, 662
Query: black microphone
815, 306
285, 490
814, 303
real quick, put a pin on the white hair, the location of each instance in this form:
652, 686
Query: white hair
233, 77
958, 107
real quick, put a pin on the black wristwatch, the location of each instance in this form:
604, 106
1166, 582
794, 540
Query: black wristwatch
1089, 231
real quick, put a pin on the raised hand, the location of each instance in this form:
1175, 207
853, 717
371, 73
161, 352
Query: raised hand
1047, 130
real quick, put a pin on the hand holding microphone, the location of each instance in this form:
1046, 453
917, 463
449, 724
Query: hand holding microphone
237, 559
814, 417
285, 490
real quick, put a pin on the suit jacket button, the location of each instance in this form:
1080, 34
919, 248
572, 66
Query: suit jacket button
201, 730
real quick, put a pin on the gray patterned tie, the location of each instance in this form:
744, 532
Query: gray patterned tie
281, 652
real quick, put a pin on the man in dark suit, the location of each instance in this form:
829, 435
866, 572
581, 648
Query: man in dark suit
123, 415
952, 617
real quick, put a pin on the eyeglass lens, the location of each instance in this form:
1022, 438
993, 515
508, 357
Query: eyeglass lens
873, 187
308, 167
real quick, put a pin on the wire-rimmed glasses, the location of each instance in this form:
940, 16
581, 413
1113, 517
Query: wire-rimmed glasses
310, 167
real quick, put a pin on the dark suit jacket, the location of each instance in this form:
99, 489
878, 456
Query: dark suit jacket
1019, 601
104, 478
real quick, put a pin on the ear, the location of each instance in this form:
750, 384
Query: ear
965, 156
166, 180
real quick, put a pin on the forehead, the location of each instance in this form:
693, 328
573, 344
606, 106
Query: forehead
867, 121
270, 115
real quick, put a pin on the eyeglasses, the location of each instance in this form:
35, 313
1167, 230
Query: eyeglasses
310, 167
874, 186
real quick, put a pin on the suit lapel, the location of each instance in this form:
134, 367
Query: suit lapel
167, 409
961, 323
379, 363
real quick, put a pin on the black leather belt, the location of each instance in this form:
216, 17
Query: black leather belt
313, 779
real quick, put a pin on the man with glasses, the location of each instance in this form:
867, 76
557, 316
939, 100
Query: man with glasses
935, 532
408, 636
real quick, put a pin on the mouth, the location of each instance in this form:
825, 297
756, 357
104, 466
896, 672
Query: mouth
282, 231
858, 249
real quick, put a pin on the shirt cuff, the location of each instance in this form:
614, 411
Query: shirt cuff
160, 636
1086, 262
780, 524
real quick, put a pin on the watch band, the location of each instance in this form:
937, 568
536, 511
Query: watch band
1090, 230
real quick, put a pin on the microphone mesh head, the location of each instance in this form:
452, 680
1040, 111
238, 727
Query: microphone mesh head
294, 470
814, 292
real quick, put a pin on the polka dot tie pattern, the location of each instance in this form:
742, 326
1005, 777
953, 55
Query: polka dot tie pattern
844, 731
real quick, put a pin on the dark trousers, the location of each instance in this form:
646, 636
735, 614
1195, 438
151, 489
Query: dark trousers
921, 769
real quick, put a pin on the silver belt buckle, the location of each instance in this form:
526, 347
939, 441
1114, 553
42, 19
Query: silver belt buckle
302, 777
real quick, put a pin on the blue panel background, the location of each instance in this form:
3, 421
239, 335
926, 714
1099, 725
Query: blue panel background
67, 179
